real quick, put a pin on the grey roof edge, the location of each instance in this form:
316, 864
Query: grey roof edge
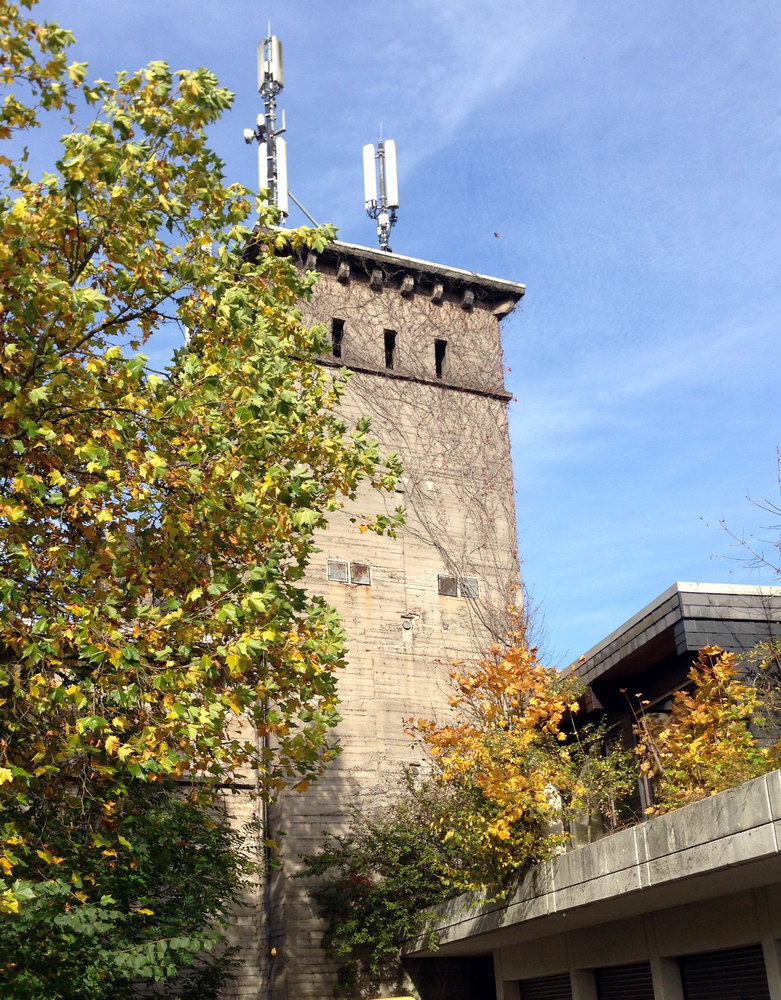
715, 834
680, 587
513, 289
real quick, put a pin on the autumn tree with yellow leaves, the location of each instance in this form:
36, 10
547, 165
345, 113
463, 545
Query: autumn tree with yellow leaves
154, 525
505, 755
712, 739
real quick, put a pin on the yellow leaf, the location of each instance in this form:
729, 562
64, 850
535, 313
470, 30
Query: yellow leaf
49, 858
6, 775
8, 902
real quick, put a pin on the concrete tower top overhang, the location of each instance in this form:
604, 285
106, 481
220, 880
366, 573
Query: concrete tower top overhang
379, 267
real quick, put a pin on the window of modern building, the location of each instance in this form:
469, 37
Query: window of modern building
625, 982
451, 586
341, 571
337, 337
440, 357
732, 974
547, 988
390, 349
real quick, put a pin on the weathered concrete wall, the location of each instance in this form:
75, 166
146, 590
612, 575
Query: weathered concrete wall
451, 434
249, 930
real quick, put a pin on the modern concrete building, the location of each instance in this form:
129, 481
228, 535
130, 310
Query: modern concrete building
421, 342
686, 906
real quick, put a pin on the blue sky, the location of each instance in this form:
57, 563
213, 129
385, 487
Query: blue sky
628, 156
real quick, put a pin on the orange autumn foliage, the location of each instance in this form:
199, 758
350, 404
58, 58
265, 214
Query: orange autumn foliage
505, 759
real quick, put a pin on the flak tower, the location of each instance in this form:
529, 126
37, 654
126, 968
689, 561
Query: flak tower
422, 343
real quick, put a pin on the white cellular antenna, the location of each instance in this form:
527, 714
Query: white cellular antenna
272, 149
381, 207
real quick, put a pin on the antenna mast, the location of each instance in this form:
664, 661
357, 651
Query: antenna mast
272, 148
381, 205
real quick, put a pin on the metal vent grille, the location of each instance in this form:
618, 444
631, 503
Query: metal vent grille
737, 974
547, 988
625, 982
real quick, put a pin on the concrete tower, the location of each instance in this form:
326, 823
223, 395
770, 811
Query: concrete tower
422, 343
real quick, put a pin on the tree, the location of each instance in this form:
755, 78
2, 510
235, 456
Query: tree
374, 883
154, 525
155, 908
506, 755
709, 742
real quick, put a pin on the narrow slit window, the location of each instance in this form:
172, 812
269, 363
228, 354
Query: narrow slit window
337, 337
440, 357
390, 349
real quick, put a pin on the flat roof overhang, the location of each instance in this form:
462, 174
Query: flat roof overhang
680, 621
712, 848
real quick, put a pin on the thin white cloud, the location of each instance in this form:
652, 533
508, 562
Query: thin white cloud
559, 417
424, 69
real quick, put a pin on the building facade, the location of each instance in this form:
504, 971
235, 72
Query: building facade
421, 342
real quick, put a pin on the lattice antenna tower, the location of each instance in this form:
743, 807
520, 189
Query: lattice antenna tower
381, 199
272, 148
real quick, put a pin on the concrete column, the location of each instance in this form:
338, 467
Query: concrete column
666, 977
584, 984
665, 972
505, 990
771, 948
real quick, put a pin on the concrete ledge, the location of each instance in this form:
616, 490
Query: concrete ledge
633, 871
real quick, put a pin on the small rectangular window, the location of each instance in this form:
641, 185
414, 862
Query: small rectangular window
451, 586
440, 357
337, 337
447, 586
341, 571
338, 571
360, 574
390, 348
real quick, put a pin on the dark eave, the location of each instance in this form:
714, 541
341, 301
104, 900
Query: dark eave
686, 617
